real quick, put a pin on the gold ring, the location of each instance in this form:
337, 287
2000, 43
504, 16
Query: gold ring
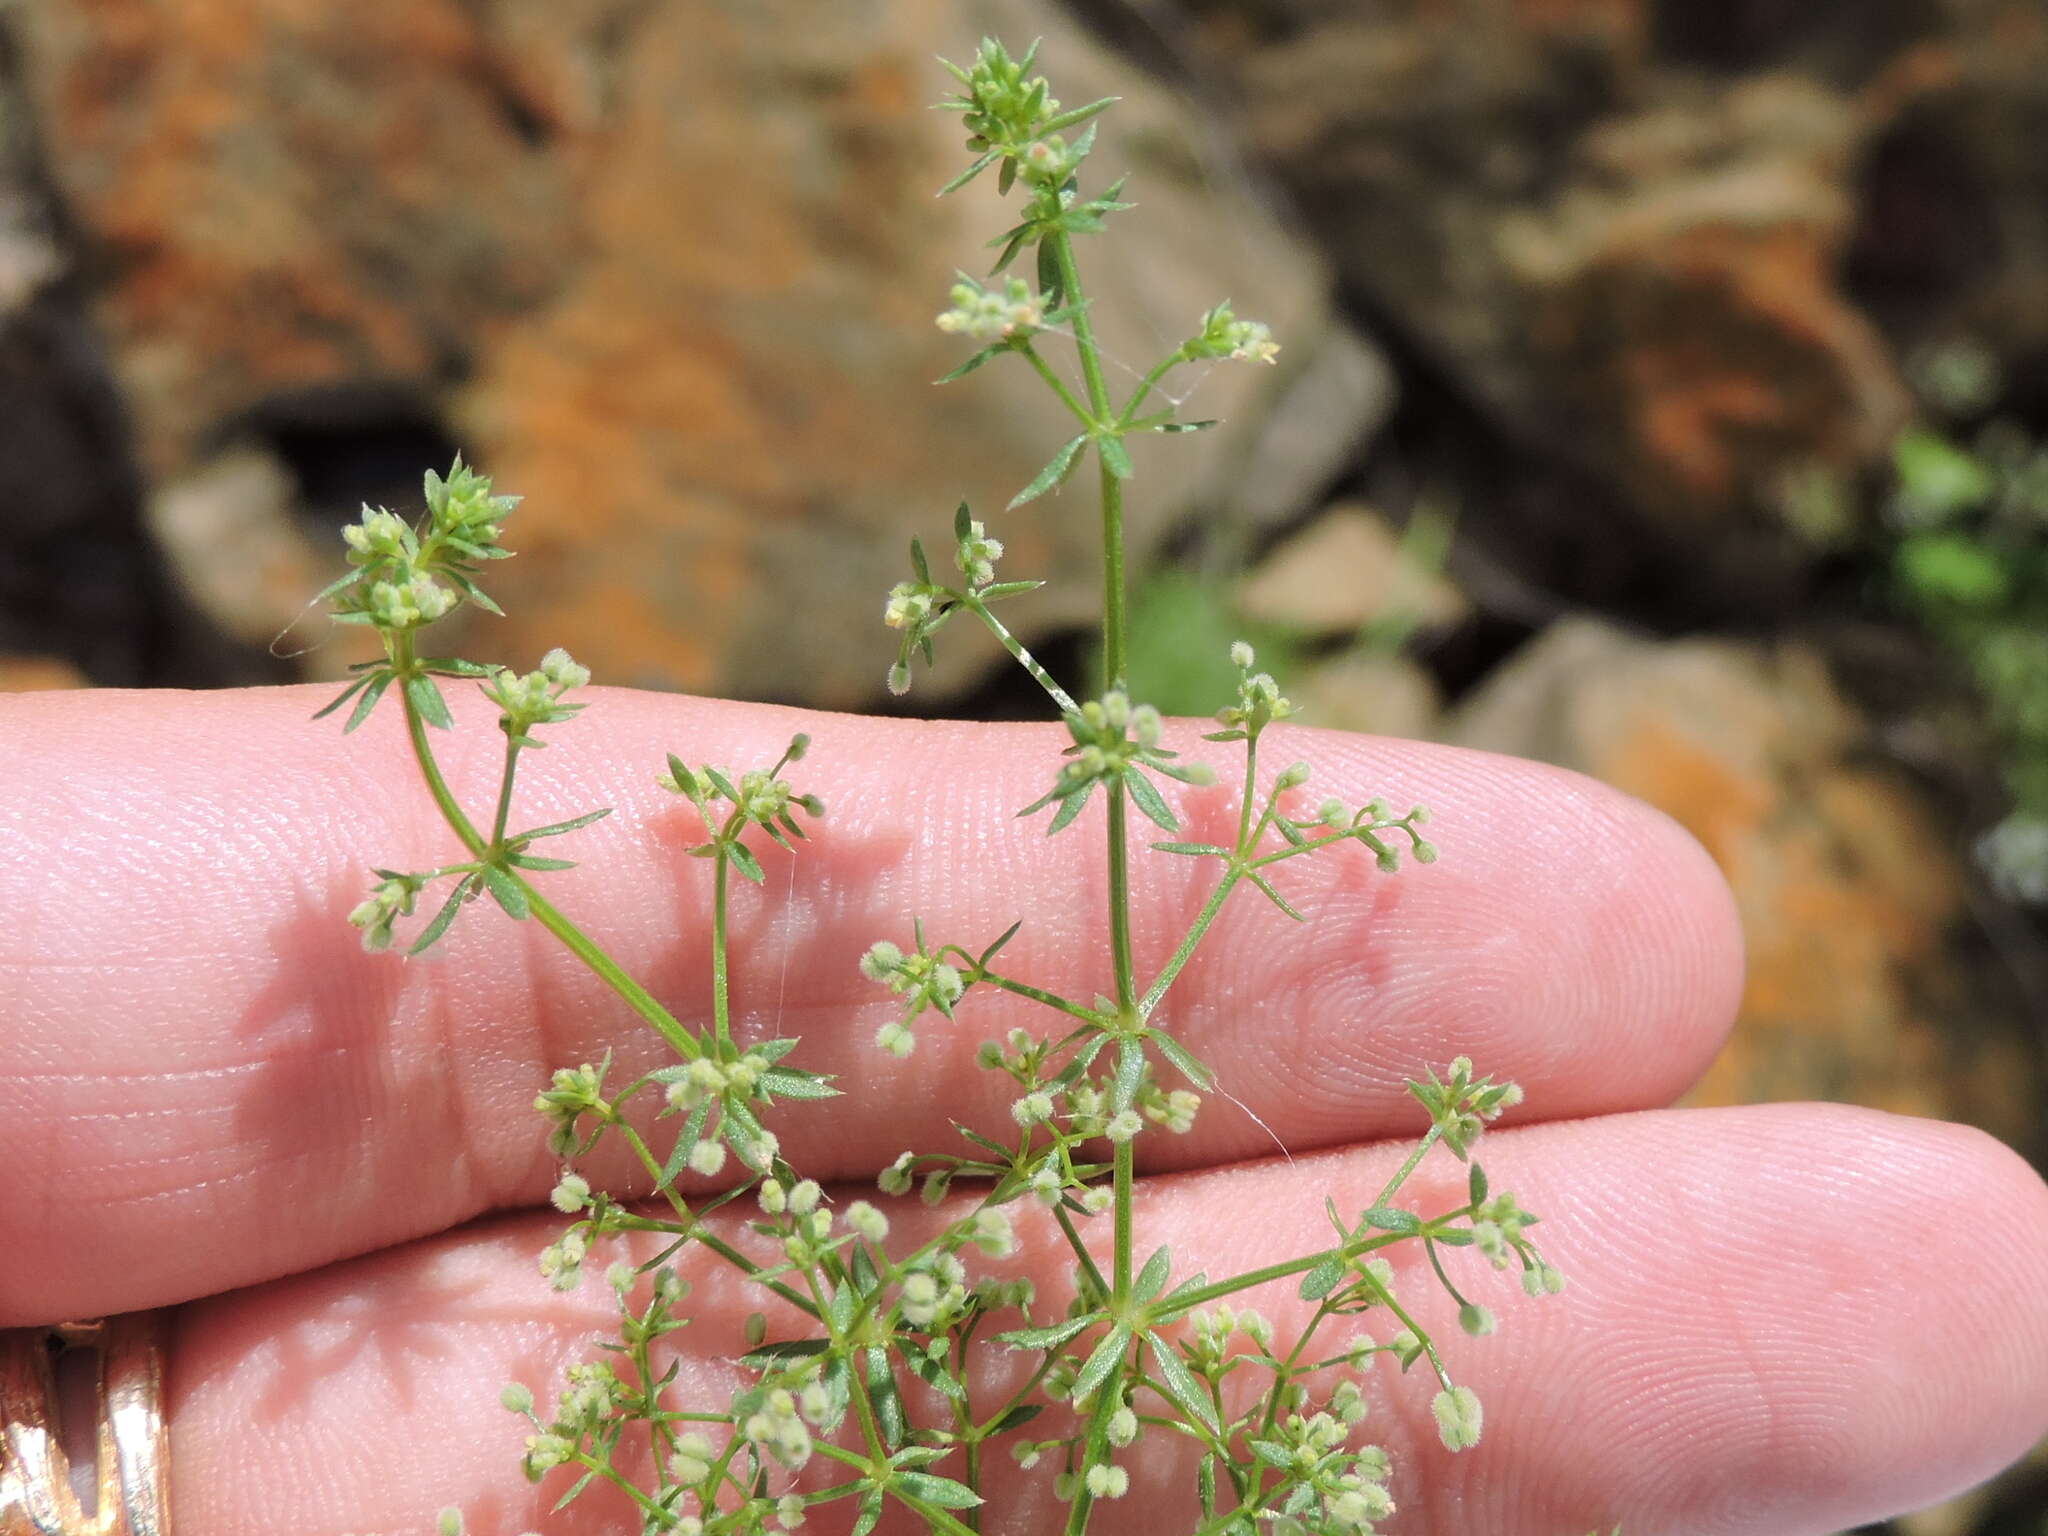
36, 1493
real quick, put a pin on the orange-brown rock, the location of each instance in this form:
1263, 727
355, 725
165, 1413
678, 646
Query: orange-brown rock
37, 674
1851, 890
667, 271
1629, 265
1688, 318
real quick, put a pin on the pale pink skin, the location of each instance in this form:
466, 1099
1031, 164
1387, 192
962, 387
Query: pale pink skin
1787, 1319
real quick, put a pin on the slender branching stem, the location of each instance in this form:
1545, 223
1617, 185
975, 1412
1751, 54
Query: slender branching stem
1025, 659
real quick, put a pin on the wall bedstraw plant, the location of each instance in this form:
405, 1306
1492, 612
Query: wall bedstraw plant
869, 1388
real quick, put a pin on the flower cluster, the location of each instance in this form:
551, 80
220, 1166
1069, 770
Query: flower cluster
1225, 336
1462, 1105
535, 698
922, 978
405, 577
1113, 740
730, 804
391, 898
992, 314
1011, 116
1259, 700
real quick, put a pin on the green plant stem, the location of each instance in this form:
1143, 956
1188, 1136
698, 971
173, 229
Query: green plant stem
611, 973
1025, 659
406, 663
1096, 1450
721, 982
1147, 384
1125, 1180
1414, 1161
619, 1480
504, 815
1115, 627
1120, 902
1215, 1291
1115, 637
695, 1225
1081, 1253
937, 1518
870, 1427
1251, 785
1039, 995
1058, 384
1157, 991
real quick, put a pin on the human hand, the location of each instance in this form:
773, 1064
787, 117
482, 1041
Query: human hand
1790, 1318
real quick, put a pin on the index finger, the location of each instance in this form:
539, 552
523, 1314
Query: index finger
196, 1042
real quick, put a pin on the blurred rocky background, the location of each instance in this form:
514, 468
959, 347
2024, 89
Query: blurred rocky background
1662, 395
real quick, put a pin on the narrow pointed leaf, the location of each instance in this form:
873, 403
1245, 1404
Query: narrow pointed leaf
425, 697
1115, 457
505, 891
1016, 1417
1077, 115
475, 593
1071, 807
1055, 469
942, 1491
1049, 1337
887, 1398
1049, 285
1015, 244
557, 828
431, 934
1322, 1280
1190, 1066
1181, 1384
788, 1083
575, 1488
1152, 1278
744, 861
990, 953
1275, 897
969, 174
368, 701
1145, 795
343, 697
1108, 1355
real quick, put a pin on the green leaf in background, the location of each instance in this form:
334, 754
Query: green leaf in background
1181, 631
1937, 480
1955, 569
